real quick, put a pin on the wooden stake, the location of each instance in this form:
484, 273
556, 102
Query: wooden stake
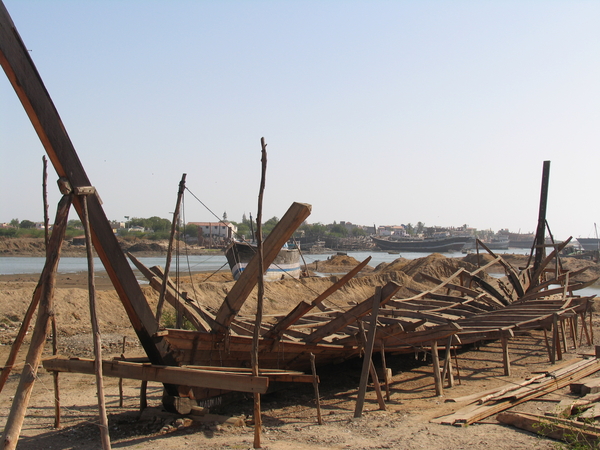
95, 330
316, 386
143, 396
161, 298
556, 338
388, 396
447, 371
121, 379
439, 390
367, 361
377, 386
505, 356
18, 409
260, 294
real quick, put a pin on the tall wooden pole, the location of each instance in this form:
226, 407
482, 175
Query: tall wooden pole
96, 331
18, 409
540, 236
260, 294
163, 290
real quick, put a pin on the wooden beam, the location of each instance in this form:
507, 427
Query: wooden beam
27, 83
240, 291
163, 374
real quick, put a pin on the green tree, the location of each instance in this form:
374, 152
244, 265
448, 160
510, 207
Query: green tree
75, 224
27, 224
338, 230
192, 230
14, 223
358, 232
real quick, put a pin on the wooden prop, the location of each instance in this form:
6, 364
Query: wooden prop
367, 361
18, 409
316, 387
161, 297
240, 291
104, 435
260, 294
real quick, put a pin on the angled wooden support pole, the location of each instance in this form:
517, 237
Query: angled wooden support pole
367, 361
18, 409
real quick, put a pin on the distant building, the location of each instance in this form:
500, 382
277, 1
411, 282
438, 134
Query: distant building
216, 229
391, 230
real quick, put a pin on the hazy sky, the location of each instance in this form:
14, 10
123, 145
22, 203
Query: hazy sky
378, 112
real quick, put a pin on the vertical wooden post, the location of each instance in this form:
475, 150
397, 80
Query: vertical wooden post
104, 436
385, 372
260, 294
439, 389
163, 289
505, 355
316, 387
551, 354
143, 396
447, 371
563, 332
121, 379
541, 227
573, 328
55, 375
556, 337
367, 361
14, 422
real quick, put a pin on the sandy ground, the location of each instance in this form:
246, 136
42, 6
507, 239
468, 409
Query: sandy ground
289, 415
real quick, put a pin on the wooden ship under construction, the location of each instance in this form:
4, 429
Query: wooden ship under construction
215, 358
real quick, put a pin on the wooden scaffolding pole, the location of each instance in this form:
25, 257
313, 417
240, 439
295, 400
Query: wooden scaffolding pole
104, 436
260, 294
18, 409
161, 298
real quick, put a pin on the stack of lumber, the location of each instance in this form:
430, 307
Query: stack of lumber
505, 397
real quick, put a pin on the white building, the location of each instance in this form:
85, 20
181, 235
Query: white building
216, 229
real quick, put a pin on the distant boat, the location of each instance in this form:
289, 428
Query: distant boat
424, 245
287, 262
518, 240
589, 243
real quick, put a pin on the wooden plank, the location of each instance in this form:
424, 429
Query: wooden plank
163, 374
240, 291
553, 428
27, 83
363, 308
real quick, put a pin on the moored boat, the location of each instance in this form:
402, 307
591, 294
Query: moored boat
589, 244
425, 245
287, 262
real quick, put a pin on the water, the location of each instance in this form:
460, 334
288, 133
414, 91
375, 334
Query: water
23, 265
198, 263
